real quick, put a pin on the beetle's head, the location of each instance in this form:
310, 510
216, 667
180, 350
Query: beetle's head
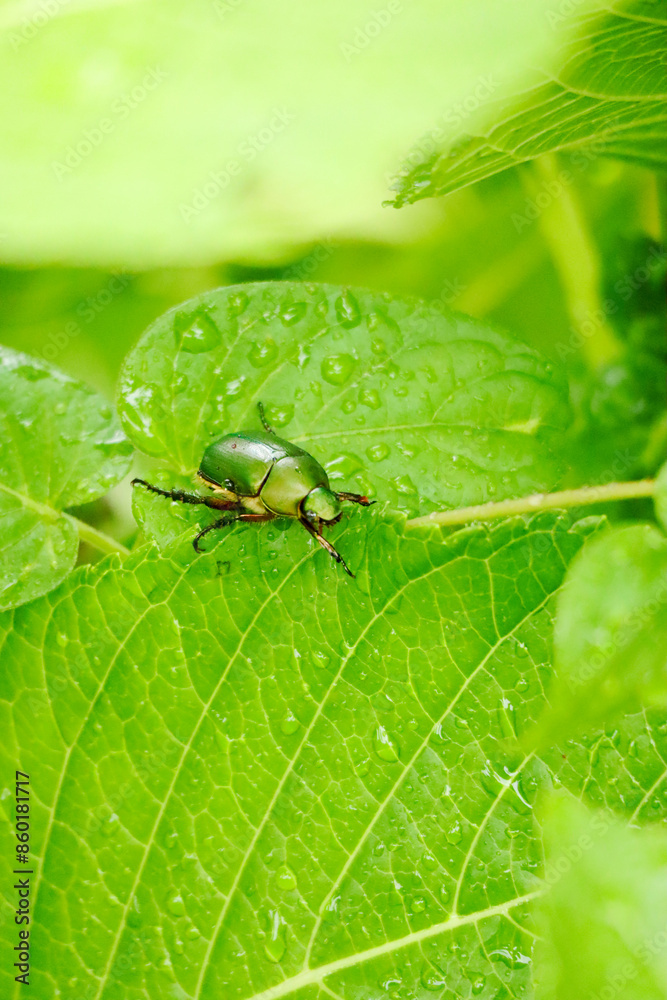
323, 504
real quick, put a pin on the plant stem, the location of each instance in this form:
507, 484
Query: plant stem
99, 541
575, 257
539, 501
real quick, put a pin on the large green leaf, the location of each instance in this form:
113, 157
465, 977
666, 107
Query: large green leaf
604, 922
609, 635
61, 445
287, 781
396, 398
190, 131
605, 95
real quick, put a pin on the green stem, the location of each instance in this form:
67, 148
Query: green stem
575, 257
539, 501
99, 541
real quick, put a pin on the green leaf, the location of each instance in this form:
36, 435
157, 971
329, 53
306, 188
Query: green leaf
397, 399
249, 772
609, 632
603, 95
604, 920
216, 131
62, 446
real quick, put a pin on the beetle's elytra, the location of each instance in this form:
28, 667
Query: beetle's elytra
256, 476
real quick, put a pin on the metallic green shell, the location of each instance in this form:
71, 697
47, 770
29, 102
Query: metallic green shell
255, 462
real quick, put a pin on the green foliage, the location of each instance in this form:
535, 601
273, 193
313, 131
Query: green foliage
604, 95
609, 632
251, 776
257, 138
604, 921
61, 446
396, 398
237, 771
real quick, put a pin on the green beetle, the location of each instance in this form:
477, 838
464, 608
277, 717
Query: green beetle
256, 476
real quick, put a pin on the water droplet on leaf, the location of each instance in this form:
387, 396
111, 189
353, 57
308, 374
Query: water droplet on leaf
386, 748
286, 879
377, 452
289, 723
263, 353
337, 368
348, 311
175, 904
292, 314
196, 332
274, 946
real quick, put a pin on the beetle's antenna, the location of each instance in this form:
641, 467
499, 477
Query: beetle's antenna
327, 546
262, 417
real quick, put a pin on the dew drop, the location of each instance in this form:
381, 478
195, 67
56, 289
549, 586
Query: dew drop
289, 723
404, 485
286, 879
61, 639
344, 466
175, 904
280, 416
192, 933
320, 659
337, 368
478, 985
237, 303
432, 978
418, 904
454, 833
292, 314
377, 452
196, 332
348, 311
362, 768
384, 746
274, 945
349, 406
370, 398
506, 718
429, 862
235, 387
510, 957
263, 353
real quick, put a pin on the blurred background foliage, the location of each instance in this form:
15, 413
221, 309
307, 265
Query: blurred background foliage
121, 199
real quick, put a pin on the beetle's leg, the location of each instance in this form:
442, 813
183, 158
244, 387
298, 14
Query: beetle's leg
222, 522
327, 546
215, 503
356, 498
225, 522
262, 416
